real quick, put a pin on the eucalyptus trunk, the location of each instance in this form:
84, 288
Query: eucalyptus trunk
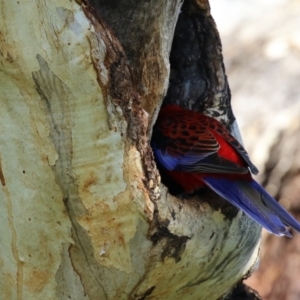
83, 213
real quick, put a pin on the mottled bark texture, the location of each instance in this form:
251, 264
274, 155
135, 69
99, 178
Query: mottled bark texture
84, 213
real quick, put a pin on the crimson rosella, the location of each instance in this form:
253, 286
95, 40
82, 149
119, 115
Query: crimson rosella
196, 151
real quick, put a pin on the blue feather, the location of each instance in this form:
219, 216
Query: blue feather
171, 162
255, 202
194, 162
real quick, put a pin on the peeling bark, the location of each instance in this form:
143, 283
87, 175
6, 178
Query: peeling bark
85, 215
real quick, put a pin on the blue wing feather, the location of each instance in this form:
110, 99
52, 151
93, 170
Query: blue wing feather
171, 162
208, 162
255, 202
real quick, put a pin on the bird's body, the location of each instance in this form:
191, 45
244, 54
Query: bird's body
196, 150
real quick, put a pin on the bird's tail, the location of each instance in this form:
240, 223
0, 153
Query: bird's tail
249, 196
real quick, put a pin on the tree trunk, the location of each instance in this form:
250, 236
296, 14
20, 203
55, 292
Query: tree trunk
84, 215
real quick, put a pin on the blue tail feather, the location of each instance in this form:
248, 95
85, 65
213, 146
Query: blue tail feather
255, 202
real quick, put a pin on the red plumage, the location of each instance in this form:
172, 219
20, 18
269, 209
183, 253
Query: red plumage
184, 131
196, 150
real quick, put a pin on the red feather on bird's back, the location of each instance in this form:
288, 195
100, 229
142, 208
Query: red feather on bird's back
196, 150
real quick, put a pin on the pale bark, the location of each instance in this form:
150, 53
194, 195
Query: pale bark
82, 213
